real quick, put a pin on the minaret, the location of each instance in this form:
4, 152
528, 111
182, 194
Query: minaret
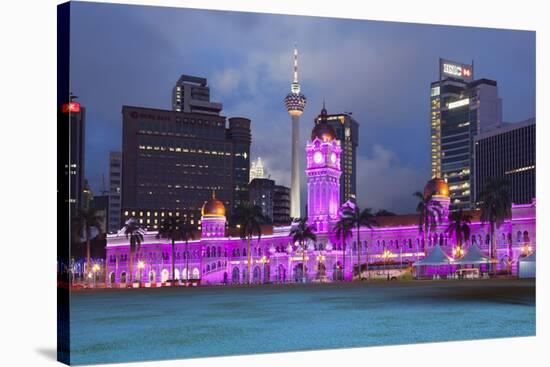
295, 103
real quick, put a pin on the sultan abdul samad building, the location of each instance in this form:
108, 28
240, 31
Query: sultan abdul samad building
220, 256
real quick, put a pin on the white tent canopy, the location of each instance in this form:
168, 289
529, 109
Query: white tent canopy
474, 256
530, 258
436, 257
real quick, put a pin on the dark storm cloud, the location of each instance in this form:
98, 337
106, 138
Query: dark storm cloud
378, 70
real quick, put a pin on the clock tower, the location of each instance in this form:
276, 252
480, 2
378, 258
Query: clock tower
323, 175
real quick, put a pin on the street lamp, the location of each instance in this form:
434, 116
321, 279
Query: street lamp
386, 255
95, 269
141, 265
272, 251
264, 260
320, 261
526, 249
458, 252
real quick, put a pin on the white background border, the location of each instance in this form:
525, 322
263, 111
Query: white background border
28, 181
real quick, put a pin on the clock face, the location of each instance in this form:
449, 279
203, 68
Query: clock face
333, 158
318, 157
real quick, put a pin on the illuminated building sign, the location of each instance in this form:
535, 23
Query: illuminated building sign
459, 103
456, 70
70, 107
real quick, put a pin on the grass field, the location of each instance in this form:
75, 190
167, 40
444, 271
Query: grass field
167, 323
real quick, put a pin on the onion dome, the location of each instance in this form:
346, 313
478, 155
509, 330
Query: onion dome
213, 207
436, 187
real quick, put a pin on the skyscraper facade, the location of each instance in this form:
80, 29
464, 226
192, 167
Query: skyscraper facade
172, 162
192, 94
75, 115
295, 102
261, 192
347, 131
508, 153
461, 108
115, 190
257, 169
281, 205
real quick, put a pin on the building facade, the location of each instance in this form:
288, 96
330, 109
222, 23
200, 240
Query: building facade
172, 161
220, 256
115, 192
509, 153
262, 193
75, 115
347, 131
192, 94
461, 108
257, 169
281, 205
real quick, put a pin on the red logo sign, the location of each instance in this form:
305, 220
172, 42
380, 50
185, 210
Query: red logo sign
70, 107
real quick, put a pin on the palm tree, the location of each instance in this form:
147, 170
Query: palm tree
343, 229
496, 205
301, 232
357, 218
249, 219
187, 234
133, 231
174, 229
430, 213
88, 221
459, 226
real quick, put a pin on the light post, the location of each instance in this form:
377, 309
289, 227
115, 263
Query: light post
526, 250
289, 252
320, 262
272, 251
95, 269
141, 265
386, 254
263, 261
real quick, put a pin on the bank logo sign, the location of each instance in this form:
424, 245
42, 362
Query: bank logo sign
455, 70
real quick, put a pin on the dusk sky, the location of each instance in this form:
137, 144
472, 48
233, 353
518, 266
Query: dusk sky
380, 71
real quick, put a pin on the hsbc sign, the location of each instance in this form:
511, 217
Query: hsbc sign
456, 70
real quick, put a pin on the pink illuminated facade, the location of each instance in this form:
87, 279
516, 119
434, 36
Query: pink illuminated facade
219, 256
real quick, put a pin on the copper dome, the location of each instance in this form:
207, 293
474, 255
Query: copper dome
213, 207
436, 187
323, 131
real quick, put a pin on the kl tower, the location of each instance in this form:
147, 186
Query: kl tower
295, 103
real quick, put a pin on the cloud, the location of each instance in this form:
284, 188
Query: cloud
226, 81
383, 182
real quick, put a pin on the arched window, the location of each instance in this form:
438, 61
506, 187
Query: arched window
525, 236
244, 252
509, 238
207, 268
208, 252
487, 239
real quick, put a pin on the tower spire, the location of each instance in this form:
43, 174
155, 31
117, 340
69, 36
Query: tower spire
295, 86
295, 63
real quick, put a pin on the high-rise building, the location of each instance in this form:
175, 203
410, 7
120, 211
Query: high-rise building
100, 203
172, 161
461, 108
192, 94
508, 152
257, 169
295, 102
281, 205
77, 127
115, 189
347, 131
261, 192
